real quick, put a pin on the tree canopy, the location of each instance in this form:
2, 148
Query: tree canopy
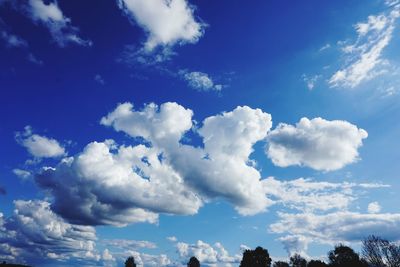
256, 258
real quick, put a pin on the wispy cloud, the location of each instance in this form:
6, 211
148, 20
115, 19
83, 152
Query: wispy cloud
200, 81
51, 16
363, 59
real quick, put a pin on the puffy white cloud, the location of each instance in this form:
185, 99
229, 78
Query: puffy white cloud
144, 259
121, 187
107, 256
363, 59
333, 228
206, 253
52, 17
34, 233
39, 146
374, 207
166, 123
317, 143
111, 184
200, 81
166, 22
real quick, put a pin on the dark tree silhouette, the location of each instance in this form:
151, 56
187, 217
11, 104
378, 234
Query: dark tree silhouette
298, 261
256, 258
316, 263
379, 252
193, 262
281, 264
130, 262
344, 256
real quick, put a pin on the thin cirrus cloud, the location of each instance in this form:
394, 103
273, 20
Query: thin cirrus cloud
317, 143
111, 184
51, 16
341, 226
39, 146
166, 22
308, 195
363, 59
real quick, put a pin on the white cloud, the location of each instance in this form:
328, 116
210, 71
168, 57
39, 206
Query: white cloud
107, 256
363, 59
34, 234
317, 143
40, 146
200, 81
325, 47
51, 16
172, 238
111, 184
206, 253
128, 244
23, 174
374, 207
308, 195
166, 22
333, 228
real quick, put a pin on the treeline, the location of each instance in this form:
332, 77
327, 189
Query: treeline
376, 252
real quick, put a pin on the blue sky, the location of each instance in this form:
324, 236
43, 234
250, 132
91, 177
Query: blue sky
171, 129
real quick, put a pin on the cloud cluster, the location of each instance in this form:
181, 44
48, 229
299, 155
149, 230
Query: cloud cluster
111, 184
116, 184
316, 143
34, 233
166, 22
39, 146
363, 59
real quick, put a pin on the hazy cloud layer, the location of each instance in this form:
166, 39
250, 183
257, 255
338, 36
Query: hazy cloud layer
331, 228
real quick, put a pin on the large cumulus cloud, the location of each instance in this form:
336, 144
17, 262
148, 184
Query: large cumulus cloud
111, 184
